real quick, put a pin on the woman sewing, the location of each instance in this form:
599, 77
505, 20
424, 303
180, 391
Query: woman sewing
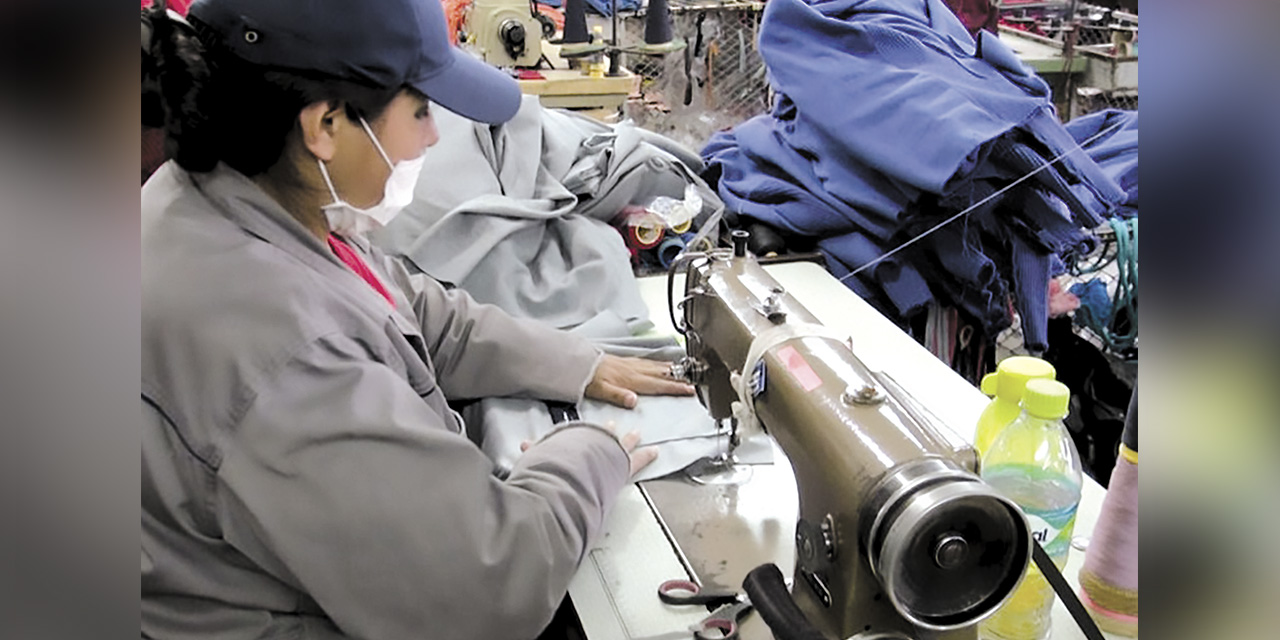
302, 473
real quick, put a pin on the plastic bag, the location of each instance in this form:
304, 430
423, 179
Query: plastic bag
677, 215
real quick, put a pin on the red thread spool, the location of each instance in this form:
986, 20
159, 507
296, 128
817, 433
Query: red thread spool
641, 229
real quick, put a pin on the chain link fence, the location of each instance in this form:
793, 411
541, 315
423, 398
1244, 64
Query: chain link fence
1108, 37
719, 79
1112, 268
1091, 99
716, 82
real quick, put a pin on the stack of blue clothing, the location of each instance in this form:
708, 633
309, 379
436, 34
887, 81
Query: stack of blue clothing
890, 118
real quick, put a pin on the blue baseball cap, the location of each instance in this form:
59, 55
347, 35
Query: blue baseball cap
384, 43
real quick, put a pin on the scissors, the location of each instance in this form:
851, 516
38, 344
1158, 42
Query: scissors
723, 621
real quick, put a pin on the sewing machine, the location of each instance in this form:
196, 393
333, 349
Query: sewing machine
506, 33
897, 538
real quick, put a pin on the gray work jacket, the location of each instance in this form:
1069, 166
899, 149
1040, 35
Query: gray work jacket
302, 475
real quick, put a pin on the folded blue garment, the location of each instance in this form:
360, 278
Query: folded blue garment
1115, 151
602, 7
765, 178
890, 118
900, 90
605, 7
964, 267
903, 285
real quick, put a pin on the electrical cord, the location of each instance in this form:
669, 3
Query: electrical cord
1125, 299
1126, 296
1063, 588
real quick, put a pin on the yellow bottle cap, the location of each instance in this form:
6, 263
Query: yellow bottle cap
1012, 374
989, 382
1046, 398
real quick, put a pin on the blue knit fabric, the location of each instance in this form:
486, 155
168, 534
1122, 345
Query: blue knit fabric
1115, 152
891, 118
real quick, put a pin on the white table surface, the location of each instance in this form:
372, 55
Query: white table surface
614, 593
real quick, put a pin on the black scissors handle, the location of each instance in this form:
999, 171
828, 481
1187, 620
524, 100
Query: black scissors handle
722, 624
688, 592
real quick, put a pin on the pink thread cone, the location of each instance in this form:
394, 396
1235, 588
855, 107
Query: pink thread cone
1109, 578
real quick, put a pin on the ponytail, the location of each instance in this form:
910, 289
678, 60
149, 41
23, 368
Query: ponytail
182, 77
219, 108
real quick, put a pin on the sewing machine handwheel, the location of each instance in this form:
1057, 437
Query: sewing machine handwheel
548, 25
768, 592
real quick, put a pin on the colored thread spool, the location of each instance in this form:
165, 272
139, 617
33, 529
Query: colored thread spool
668, 250
1109, 577
704, 245
644, 232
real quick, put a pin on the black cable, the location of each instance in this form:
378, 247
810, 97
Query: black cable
671, 285
1064, 590
769, 595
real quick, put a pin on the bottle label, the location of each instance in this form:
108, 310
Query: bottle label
1052, 529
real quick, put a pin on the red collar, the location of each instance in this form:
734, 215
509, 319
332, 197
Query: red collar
349, 257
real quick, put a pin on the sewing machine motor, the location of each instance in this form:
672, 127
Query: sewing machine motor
506, 33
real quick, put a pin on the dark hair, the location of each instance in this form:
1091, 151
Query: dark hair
219, 108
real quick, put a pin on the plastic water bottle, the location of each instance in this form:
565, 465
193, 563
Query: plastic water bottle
1006, 385
1034, 463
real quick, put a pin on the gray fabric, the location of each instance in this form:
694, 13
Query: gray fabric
679, 427
518, 214
302, 476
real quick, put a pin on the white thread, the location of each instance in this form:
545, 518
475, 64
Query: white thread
744, 409
885, 256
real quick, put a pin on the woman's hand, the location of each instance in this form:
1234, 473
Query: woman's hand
618, 381
640, 458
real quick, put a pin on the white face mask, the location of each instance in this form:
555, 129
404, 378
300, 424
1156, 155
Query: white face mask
347, 219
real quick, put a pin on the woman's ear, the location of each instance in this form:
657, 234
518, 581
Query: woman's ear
318, 122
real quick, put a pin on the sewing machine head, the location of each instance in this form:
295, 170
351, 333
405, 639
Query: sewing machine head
897, 536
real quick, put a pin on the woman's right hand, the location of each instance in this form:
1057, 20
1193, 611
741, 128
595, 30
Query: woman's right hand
640, 457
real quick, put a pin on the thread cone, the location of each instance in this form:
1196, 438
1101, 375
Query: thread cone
575, 22
657, 23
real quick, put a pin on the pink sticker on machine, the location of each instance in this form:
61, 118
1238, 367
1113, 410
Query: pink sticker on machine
799, 369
